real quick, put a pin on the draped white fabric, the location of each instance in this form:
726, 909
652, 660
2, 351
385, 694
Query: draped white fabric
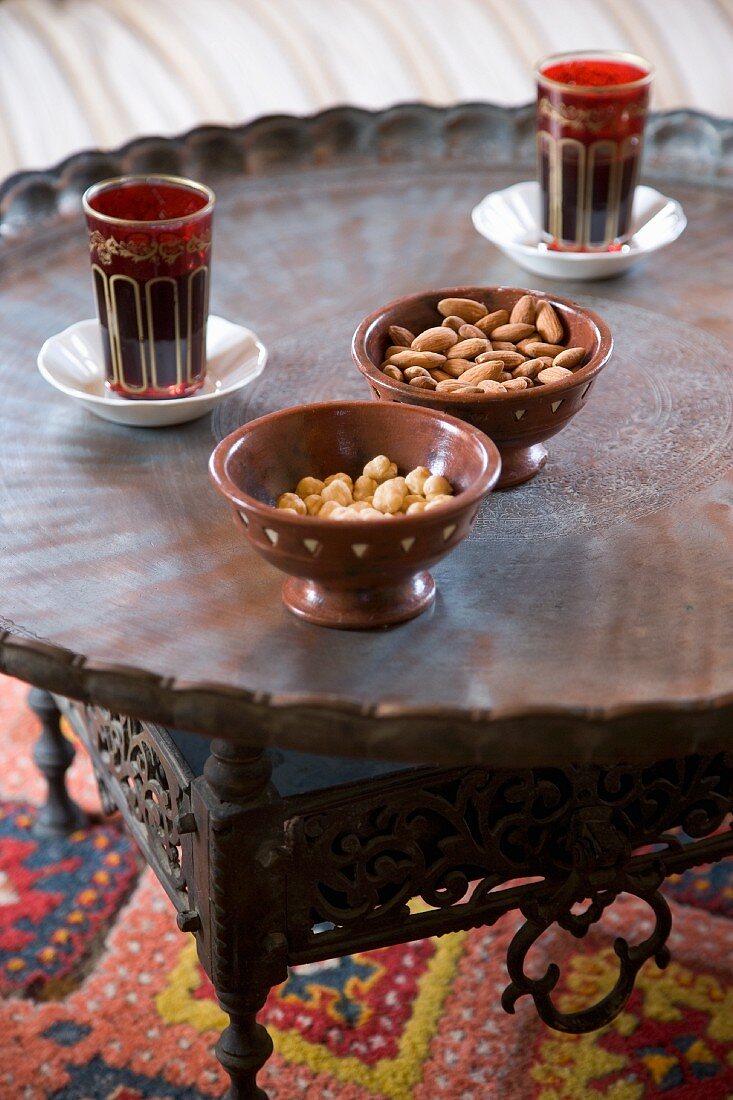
81, 73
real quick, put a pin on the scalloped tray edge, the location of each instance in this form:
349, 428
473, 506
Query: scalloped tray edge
686, 145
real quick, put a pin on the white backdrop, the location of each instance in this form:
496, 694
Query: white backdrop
82, 73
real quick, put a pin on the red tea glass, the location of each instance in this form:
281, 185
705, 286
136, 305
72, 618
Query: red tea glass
150, 246
591, 111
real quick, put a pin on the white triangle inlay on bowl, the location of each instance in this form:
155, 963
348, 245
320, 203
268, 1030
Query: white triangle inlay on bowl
360, 548
243, 517
407, 544
519, 413
312, 544
556, 405
272, 535
448, 531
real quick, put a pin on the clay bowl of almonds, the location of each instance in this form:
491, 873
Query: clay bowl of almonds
515, 363
355, 501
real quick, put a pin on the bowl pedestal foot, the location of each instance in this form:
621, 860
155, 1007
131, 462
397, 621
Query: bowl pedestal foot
359, 608
520, 464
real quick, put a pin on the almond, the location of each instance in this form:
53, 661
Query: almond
455, 387
410, 358
456, 367
393, 372
522, 345
504, 377
491, 321
504, 345
454, 322
470, 332
438, 375
424, 382
435, 339
537, 348
467, 349
524, 310
553, 374
548, 324
462, 307
530, 369
401, 336
490, 386
570, 358
484, 372
392, 350
516, 384
510, 359
415, 372
513, 333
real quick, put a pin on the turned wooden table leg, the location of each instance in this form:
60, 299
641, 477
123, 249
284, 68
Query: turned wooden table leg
243, 1049
52, 756
247, 906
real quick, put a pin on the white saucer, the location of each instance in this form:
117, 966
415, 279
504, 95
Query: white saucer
72, 362
510, 219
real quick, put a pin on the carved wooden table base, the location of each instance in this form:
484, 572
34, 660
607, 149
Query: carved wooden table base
223, 844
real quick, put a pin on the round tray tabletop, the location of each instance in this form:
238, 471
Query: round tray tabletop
588, 616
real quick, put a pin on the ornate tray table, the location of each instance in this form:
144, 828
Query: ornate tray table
564, 710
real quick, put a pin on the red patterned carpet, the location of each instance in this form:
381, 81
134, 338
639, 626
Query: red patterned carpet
103, 998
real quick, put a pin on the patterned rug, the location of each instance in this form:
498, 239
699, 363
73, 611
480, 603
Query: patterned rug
103, 998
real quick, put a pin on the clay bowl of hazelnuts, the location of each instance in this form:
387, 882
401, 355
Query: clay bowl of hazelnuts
355, 501
515, 363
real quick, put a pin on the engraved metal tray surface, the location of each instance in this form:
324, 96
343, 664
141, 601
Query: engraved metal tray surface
588, 617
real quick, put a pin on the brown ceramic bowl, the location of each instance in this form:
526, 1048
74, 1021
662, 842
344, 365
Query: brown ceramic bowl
518, 423
353, 573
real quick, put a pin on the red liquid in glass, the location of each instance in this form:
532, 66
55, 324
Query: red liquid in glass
590, 131
594, 73
151, 279
147, 202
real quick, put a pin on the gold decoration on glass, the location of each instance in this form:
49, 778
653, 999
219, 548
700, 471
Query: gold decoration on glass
203, 273
582, 173
113, 292
168, 251
585, 118
117, 298
163, 280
